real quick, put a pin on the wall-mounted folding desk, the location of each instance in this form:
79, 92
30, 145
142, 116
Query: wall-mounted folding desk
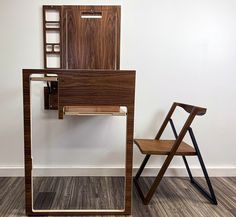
105, 90
82, 37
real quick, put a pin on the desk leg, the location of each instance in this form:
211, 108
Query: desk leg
27, 143
129, 159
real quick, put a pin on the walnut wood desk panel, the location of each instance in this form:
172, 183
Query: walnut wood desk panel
83, 88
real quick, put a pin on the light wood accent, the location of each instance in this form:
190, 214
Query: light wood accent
163, 147
50, 78
94, 110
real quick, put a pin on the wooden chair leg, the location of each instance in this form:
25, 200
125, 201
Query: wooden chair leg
136, 178
146, 199
140, 170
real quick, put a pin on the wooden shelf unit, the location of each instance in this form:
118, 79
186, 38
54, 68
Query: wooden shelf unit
52, 48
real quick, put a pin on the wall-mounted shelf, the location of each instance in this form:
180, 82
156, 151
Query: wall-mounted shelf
52, 45
94, 110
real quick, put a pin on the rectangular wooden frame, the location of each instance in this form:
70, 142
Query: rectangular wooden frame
63, 31
47, 30
113, 87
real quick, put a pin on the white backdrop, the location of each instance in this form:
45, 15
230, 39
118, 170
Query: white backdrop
182, 51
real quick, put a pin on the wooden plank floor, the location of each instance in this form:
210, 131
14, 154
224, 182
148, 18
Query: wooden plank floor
174, 198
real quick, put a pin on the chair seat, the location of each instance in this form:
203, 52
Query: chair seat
163, 147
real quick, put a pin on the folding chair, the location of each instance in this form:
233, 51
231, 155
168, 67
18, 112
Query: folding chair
171, 148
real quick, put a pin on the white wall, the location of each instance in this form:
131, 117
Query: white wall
182, 51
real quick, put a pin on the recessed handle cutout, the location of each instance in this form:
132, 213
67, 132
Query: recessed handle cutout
91, 14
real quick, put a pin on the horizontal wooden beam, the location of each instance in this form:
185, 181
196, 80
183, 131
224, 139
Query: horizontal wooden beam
51, 78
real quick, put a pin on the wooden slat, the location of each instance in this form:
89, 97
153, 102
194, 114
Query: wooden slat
53, 29
51, 78
53, 52
94, 110
163, 147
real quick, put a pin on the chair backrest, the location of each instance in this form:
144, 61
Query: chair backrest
192, 110
189, 108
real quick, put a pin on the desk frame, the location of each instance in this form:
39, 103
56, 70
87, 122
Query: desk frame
113, 87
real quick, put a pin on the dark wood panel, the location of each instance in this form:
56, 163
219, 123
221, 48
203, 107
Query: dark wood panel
27, 141
91, 43
96, 88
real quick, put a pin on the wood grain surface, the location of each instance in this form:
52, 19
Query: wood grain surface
96, 88
175, 196
91, 43
163, 147
89, 36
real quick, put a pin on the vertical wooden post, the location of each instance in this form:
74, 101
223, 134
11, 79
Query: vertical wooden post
129, 159
27, 142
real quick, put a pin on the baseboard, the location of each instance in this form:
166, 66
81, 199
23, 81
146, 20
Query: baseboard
105, 171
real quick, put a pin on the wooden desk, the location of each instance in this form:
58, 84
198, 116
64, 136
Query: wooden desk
83, 88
